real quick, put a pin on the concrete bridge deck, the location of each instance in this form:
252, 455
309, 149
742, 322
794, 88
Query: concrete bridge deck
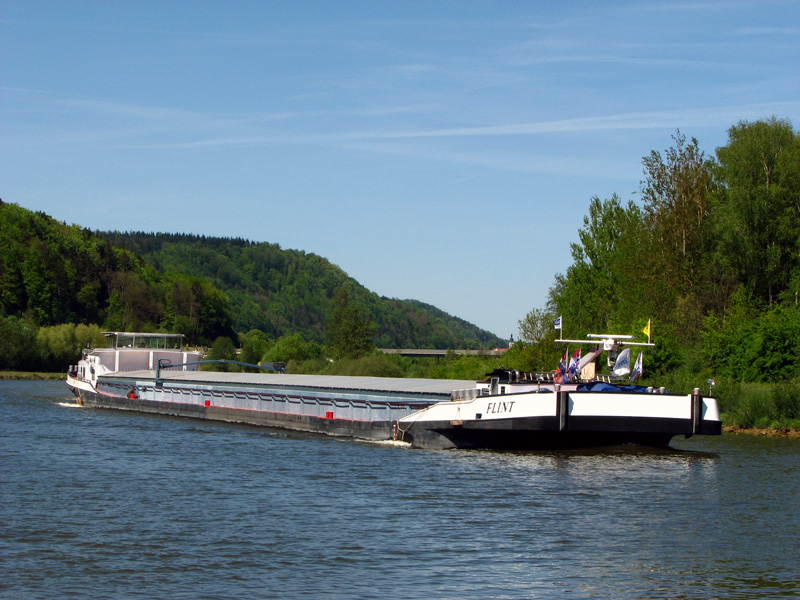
434, 353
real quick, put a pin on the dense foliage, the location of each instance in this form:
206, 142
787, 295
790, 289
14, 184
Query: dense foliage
349, 329
710, 254
281, 292
52, 275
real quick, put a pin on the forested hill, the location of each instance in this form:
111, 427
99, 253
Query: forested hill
282, 291
53, 273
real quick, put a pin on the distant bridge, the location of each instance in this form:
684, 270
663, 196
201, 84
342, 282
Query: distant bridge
430, 353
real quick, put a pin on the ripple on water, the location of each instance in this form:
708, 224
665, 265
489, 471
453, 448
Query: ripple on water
119, 505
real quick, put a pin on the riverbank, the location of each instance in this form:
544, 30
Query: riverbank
31, 376
770, 431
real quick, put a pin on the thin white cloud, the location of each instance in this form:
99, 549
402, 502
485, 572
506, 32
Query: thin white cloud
412, 145
790, 31
132, 125
640, 120
712, 6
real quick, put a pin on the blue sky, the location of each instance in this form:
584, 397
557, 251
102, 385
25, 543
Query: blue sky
441, 151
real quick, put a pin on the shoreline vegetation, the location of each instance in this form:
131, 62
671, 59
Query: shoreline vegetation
728, 429
31, 375
770, 431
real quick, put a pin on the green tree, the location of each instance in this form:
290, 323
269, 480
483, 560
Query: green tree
133, 305
17, 345
676, 195
60, 345
760, 217
223, 348
537, 335
600, 287
254, 345
293, 348
195, 308
350, 332
215, 316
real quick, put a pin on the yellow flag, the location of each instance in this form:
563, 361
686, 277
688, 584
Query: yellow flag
646, 330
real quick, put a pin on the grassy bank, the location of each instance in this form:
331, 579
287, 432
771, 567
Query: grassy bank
743, 406
760, 406
31, 375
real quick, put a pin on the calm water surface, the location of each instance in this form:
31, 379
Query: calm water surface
107, 504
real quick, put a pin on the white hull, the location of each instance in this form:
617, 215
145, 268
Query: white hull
561, 419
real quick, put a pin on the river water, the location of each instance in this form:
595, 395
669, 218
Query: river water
108, 504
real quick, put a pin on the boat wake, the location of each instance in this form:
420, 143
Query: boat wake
69, 404
394, 443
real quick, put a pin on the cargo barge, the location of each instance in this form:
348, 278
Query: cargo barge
151, 373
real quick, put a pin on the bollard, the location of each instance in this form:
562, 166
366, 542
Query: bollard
697, 411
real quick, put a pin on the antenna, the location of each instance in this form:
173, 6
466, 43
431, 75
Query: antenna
609, 336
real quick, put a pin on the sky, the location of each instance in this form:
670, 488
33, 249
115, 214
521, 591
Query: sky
441, 151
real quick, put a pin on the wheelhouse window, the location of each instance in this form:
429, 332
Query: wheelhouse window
148, 341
